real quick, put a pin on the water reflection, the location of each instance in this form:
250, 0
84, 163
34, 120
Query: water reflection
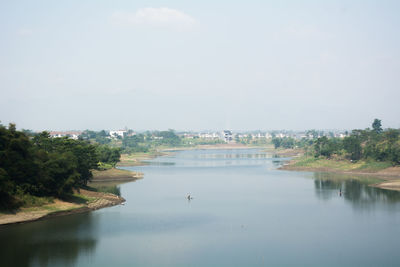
216, 158
158, 163
354, 189
233, 155
44, 243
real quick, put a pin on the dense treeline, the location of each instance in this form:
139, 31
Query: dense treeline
145, 142
44, 166
376, 144
100, 137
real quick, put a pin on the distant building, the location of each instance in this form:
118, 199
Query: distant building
227, 136
115, 134
209, 135
70, 134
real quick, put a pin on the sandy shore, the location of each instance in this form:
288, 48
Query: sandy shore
97, 200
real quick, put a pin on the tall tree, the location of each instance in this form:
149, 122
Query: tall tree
377, 126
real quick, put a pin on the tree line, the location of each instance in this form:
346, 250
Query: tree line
372, 143
39, 165
140, 142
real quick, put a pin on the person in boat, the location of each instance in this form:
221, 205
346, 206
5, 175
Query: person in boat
189, 197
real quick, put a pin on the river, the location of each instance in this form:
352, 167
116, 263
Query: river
244, 212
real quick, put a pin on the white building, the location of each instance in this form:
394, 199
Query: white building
70, 134
227, 136
115, 134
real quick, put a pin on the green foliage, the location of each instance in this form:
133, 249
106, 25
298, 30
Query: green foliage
99, 137
200, 141
104, 166
113, 189
28, 200
108, 155
352, 145
149, 141
289, 142
166, 138
135, 143
43, 166
326, 147
285, 142
377, 126
376, 144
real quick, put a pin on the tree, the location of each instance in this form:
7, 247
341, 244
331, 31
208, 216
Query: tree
377, 126
326, 147
276, 142
352, 145
108, 155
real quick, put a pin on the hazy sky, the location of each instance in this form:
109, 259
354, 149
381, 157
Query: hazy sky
199, 64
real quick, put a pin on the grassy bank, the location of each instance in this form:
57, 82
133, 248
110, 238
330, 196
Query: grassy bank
323, 164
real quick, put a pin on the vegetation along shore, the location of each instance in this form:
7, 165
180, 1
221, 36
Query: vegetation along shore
42, 176
369, 152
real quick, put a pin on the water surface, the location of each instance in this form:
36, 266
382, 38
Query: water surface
244, 212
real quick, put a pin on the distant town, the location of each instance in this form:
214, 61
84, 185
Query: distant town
224, 135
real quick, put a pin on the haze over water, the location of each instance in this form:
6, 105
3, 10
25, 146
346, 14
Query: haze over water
244, 212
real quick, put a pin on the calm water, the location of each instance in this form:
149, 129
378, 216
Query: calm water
244, 213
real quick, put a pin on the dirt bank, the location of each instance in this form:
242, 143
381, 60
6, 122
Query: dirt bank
94, 201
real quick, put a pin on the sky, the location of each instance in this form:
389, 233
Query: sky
196, 65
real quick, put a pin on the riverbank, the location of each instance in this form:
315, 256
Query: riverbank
114, 174
81, 201
389, 175
138, 159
